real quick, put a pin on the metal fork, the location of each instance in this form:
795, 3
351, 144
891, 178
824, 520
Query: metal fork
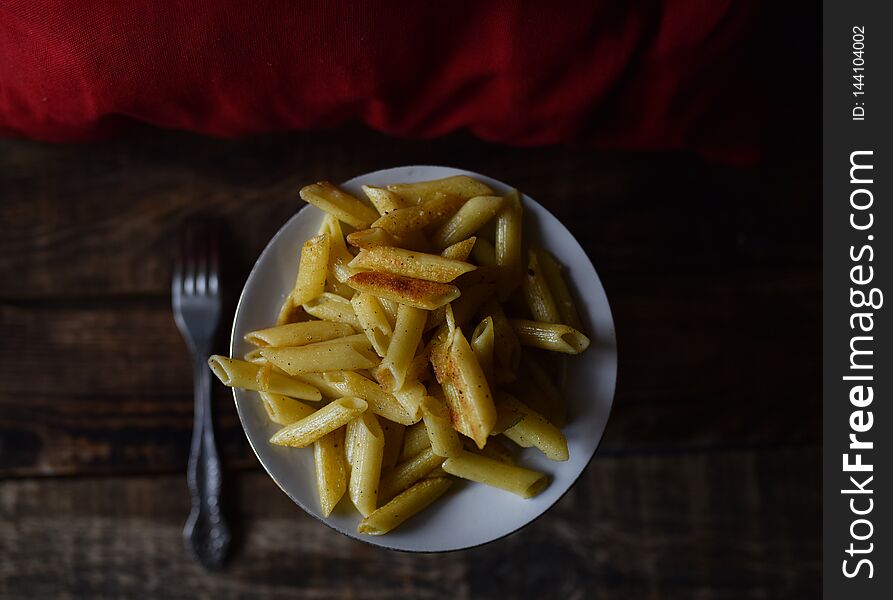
195, 296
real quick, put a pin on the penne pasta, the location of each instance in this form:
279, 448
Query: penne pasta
323, 421
375, 324
434, 211
341, 354
318, 381
244, 375
312, 270
380, 402
443, 438
402, 349
535, 430
459, 250
462, 186
283, 410
550, 336
332, 307
390, 308
374, 321
508, 414
507, 348
339, 255
383, 200
482, 344
417, 293
470, 302
339, 204
415, 439
299, 334
369, 238
537, 294
393, 442
494, 449
467, 220
551, 272
484, 253
507, 249
517, 480
331, 469
472, 400
365, 469
404, 506
410, 396
409, 263
407, 473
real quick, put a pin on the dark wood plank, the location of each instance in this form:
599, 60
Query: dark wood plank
723, 525
99, 220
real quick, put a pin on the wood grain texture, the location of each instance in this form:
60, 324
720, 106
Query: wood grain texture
675, 526
713, 276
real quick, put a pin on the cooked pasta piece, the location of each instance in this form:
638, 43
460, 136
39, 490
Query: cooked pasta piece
311, 279
365, 468
339, 255
332, 307
526, 483
462, 186
409, 263
509, 223
405, 221
410, 396
459, 250
404, 506
535, 430
283, 410
551, 271
443, 438
383, 200
341, 354
482, 343
325, 420
418, 293
369, 238
339, 204
537, 293
472, 400
467, 220
402, 349
550, 336
484, 253
299, 334
393, 442
415, 439
407, 473
331, 469
244, 375
494, 449
380, 402
507, 348
374, 321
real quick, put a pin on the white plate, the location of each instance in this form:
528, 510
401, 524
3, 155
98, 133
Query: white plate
470, 514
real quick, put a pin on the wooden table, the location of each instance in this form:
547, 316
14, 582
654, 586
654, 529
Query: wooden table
706, 485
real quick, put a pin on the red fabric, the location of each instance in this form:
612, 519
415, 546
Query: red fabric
660, 74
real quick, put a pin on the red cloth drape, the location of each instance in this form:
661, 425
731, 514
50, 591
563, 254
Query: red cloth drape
660, 74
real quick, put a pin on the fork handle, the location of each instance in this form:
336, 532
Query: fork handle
206, 534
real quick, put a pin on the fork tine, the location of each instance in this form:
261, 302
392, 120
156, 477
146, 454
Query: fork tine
177, 276
201, 258
213, 262
188, 254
